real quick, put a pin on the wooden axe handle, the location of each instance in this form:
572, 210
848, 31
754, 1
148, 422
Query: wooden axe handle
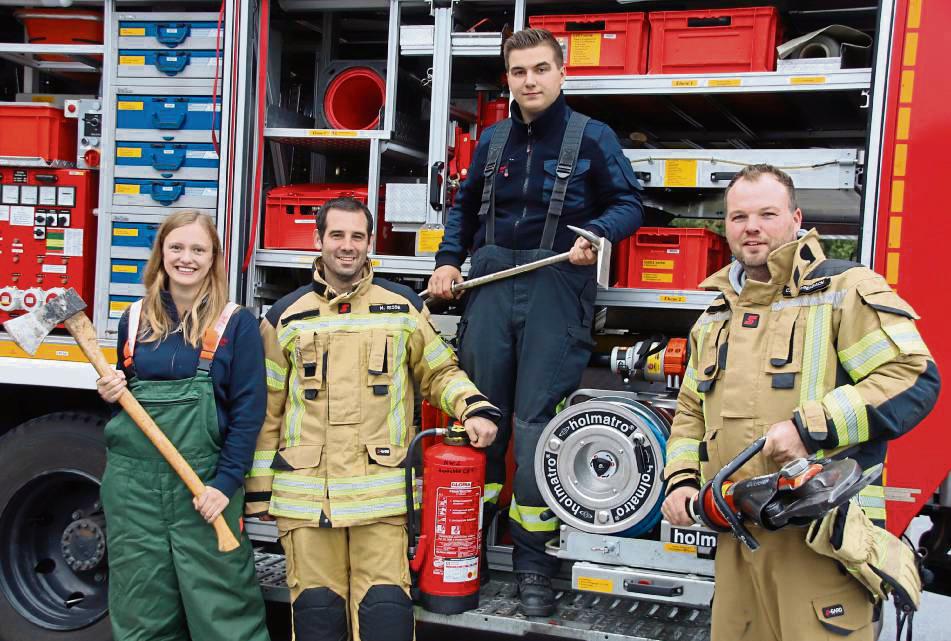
82, 330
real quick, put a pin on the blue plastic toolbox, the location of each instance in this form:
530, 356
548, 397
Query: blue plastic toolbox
187, 161
168, 63
169, 118
168, 34
200, 194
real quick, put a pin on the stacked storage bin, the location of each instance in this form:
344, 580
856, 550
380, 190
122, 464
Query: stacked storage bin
167, 106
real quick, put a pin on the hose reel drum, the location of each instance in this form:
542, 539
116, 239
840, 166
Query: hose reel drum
599, 463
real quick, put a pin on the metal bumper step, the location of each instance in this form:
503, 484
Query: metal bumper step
578, 615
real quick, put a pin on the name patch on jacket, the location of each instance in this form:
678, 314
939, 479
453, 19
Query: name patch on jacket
811, 288
382, 451
833, 611
750, 320
391, 308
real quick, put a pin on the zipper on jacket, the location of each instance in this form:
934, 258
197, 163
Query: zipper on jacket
528, 169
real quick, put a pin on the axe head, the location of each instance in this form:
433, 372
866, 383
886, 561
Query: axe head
29, 330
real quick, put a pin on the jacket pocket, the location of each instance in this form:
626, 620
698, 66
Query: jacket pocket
298, 488
380, 362
346, 375
312, 363
386, 454
844, 612
712, 355
896, 317
784, 349
576, 192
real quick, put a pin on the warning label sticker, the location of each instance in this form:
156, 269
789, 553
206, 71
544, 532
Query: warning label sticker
458, 521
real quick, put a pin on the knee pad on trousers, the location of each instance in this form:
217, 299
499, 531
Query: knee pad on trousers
386, 614
320, 615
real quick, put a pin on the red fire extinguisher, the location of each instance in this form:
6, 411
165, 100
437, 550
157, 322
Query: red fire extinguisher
445, 554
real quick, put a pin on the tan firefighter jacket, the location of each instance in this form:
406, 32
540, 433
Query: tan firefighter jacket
826, 343
340, 373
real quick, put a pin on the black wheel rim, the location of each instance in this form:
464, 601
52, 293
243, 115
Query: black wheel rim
35, 576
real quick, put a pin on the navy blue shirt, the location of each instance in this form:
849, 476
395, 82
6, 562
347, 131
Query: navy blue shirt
238, 377
602, 193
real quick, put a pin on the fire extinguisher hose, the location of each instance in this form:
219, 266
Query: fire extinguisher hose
410, 487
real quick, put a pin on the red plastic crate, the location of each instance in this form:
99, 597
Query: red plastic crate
714, 40
290, 217
600, 44
36, 130
672, 257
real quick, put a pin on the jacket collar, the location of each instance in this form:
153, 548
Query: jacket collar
788, 266
169, 306
322, 289
552, 118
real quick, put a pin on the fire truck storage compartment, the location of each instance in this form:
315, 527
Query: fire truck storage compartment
167, 31
61, 27
714, 40
127, 271
670, 257
187, 161
168, 63
180, 114
128, 234
601, 44
118, 304
290, 217
36, 130
200, 194
352, 94
47, 235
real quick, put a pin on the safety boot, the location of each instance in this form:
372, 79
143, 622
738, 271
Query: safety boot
536, 594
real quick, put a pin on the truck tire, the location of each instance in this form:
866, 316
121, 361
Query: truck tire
53, 570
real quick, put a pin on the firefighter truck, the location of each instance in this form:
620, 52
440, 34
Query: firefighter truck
114, 113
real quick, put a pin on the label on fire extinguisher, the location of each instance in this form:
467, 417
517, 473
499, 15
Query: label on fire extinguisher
458, 525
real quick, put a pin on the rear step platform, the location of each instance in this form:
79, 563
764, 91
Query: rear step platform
578, 615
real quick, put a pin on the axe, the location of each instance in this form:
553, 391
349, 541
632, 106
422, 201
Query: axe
601, 245
29, 330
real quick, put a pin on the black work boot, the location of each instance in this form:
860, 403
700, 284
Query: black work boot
536, 594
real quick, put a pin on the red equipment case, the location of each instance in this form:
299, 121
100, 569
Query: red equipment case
31, 129
62, 27
714, 40
671, 257
47, 236
290, 217
600, 44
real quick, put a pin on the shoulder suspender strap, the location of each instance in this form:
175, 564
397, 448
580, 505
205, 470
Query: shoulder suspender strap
135, 312
212, 337
500, 136
567, 159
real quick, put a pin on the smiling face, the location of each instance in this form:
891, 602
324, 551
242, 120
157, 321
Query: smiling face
759, 219
343, 247
534, 79
187, 256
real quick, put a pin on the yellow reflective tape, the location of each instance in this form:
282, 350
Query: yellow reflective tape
451, 391
907, 89
891, 268
904, 123
683, 449
261, 463
905, 335
294, 508
894, 232
348, 323
297, 484
815, 352
898, 196
294, 419
492, 492
436, 353
530, 518
901, 159
847, 408
914, 14
396, 420
911, 50
864, 357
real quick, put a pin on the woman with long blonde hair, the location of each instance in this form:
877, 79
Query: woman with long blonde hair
196, 363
